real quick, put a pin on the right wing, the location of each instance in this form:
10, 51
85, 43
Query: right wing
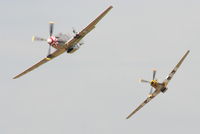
169, 77
43, 61
155, 93
86, 30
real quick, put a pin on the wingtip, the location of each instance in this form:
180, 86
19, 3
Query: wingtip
140, 80
128, 117
51, 22
110, 6
15, 77
188, 51
33, 38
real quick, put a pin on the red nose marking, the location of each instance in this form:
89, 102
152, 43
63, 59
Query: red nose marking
53, 41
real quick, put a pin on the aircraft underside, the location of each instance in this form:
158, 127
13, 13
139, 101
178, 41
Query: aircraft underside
161, 87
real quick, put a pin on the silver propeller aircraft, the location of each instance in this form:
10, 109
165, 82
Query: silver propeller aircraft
159, 87
64, 43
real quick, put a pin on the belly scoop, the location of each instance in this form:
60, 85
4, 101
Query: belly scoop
73, 48
163, 89
63, 38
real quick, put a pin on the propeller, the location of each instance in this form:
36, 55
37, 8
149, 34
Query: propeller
34, 38
51, 28
74, 30
146, 81
81, 42
49, 50
151, 91
154, 74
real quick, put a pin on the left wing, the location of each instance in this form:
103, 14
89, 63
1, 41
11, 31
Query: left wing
154, 94
169, 77
48, 58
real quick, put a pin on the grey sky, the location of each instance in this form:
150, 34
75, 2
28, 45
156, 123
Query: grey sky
94, 89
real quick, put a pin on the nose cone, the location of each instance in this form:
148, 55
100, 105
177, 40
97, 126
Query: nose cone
152, 82
49, 40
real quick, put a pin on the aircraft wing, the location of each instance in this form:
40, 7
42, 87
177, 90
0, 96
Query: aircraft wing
68, 44
154, 94
86, 30
169, 77
48, 58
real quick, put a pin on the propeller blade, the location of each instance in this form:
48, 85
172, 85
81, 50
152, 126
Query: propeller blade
74, 30
151, 91
154, 74
51, 24
144, 81
81, 42
38, 39
49, 51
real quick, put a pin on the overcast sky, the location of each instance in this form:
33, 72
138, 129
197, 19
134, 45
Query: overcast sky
93, 90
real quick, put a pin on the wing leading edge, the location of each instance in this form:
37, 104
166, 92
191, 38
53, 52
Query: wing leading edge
169, 77
156, 92
43, 61
68, 44
87, 29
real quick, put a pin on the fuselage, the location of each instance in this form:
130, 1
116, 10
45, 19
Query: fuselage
159, 86
59, 41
